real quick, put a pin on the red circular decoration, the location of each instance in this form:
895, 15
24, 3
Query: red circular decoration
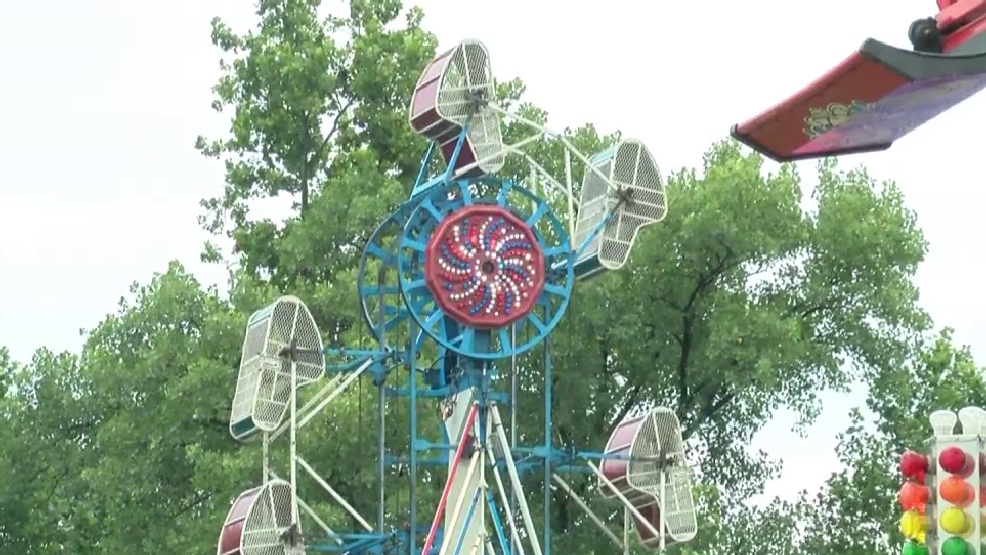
955, 461
914, 465
913, 496
484, 266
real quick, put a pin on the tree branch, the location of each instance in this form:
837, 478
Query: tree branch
335, 124
709, 411
685, 340
195, 502
633, 397
305, 165
684, 396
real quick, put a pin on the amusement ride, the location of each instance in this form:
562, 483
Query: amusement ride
879, 93
476, 270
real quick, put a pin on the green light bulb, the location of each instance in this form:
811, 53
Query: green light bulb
912, 548
954, 546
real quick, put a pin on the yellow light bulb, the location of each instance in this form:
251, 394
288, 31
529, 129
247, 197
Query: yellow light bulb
954, 521
913, 526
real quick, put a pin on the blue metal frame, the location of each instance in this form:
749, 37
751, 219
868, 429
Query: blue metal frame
479, 374
395, 299
420, 184
470, 342
380, 304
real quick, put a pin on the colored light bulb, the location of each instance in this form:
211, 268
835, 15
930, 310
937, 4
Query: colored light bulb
913, 526
914, 548
956, 461
914, 466
913, 496
955, 546
954, 521
956, 491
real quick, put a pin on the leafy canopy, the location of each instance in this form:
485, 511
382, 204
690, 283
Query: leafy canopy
741, 303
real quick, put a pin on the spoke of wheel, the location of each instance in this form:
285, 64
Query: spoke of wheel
501, 198
551, 289
434, 318
432, 209
414, 244
465, 341
376, 290
465, 192
554, 251
419, 302
537, 323
377, 251
540, 211
391, 324
414, 285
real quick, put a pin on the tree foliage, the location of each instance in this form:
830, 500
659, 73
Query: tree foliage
856, 512
757, 293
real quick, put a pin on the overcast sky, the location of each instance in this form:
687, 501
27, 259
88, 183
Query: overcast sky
102, 100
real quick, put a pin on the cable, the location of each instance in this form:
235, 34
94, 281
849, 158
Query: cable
359, 418
359, 408
402, 453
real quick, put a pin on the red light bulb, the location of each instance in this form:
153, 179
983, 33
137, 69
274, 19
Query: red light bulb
914, 466
913, 496
956, 461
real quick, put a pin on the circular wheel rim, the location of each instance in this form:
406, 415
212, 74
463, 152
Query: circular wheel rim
466, 340
382, 287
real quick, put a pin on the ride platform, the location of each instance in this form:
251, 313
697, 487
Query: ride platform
874, 97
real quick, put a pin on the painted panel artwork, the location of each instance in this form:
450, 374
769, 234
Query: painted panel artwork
891, 118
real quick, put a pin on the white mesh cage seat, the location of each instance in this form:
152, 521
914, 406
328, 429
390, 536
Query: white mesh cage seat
446, 95
263, 387
232, 532
615, 470
258, 521
627, 166
656, 479
973, 421
943, 422
652, 513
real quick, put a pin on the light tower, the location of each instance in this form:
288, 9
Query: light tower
913, 497
956, 480
946, 517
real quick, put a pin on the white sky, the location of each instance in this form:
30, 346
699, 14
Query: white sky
101, 100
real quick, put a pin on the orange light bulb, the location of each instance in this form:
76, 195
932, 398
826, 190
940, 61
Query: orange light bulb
913, 496
956, 491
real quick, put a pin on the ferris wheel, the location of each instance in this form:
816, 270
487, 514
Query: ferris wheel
477, 270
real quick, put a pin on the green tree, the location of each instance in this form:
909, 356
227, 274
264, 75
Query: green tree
740, 303
161, 369
47, 422
858, 512
108, 451
317, 105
